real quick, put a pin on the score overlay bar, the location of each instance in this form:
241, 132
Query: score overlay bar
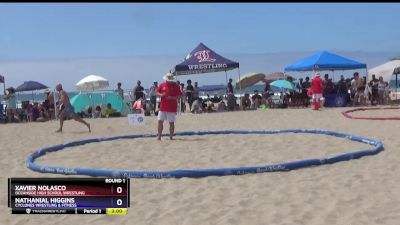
68, 195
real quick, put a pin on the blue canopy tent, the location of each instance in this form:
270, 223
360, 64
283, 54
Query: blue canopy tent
30, 86
204, 60
324, 61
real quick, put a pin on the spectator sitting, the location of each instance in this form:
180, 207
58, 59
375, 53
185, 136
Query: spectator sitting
197, 106
221, 107
109, 110
245, 101
43, 114
256, 98
215, 99
86, 113
210, 108
35, 112
97, 111
89, 112
138, 106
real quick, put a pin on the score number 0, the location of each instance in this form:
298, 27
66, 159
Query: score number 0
119, 191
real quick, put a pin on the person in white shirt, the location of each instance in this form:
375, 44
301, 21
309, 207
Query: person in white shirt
195, 93
119, 90
153, 97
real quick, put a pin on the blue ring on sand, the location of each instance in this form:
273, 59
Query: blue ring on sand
203, 172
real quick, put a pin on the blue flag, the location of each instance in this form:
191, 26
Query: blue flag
1, 79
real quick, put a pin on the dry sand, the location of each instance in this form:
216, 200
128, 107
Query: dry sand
356, 192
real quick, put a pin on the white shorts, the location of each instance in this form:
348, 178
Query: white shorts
170, 116
316, 96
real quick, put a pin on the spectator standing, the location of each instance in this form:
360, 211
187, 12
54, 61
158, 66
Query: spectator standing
182, 101
11, 102
138, 91
119, 90
153, 96
195, 94
373, 84
189, 93
229, 88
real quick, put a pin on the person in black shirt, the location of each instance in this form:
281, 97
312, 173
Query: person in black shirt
138, 91
229, 88
373, 84
267, 88
189, 93
306, 84
342, 86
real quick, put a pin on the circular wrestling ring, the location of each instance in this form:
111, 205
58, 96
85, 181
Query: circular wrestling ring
346, 114
378, 146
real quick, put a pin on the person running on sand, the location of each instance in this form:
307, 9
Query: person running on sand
66, 109
169, 92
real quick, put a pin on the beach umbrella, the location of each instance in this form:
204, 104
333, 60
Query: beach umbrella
276, 76
92, 83
283, 84
31, 86
249, 79
215, 87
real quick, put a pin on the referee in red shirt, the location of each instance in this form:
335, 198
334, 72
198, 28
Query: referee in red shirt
169, 92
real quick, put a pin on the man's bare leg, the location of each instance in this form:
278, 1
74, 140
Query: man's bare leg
171, 130
77, 118
61, 124
160, 129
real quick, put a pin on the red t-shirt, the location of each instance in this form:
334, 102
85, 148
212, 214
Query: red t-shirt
316, 85
170, 89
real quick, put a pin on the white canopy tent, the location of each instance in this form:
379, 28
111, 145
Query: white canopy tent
386, 70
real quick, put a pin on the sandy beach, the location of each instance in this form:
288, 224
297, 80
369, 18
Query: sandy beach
357, 192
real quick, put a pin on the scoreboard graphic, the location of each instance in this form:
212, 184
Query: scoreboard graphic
68, 195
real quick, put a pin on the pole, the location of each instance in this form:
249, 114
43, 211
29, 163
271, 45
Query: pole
4, 90
395, 87
240, 88
179, 99
54, 103
4, 85
226, 77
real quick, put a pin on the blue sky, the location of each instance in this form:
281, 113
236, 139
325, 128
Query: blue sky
46, 33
